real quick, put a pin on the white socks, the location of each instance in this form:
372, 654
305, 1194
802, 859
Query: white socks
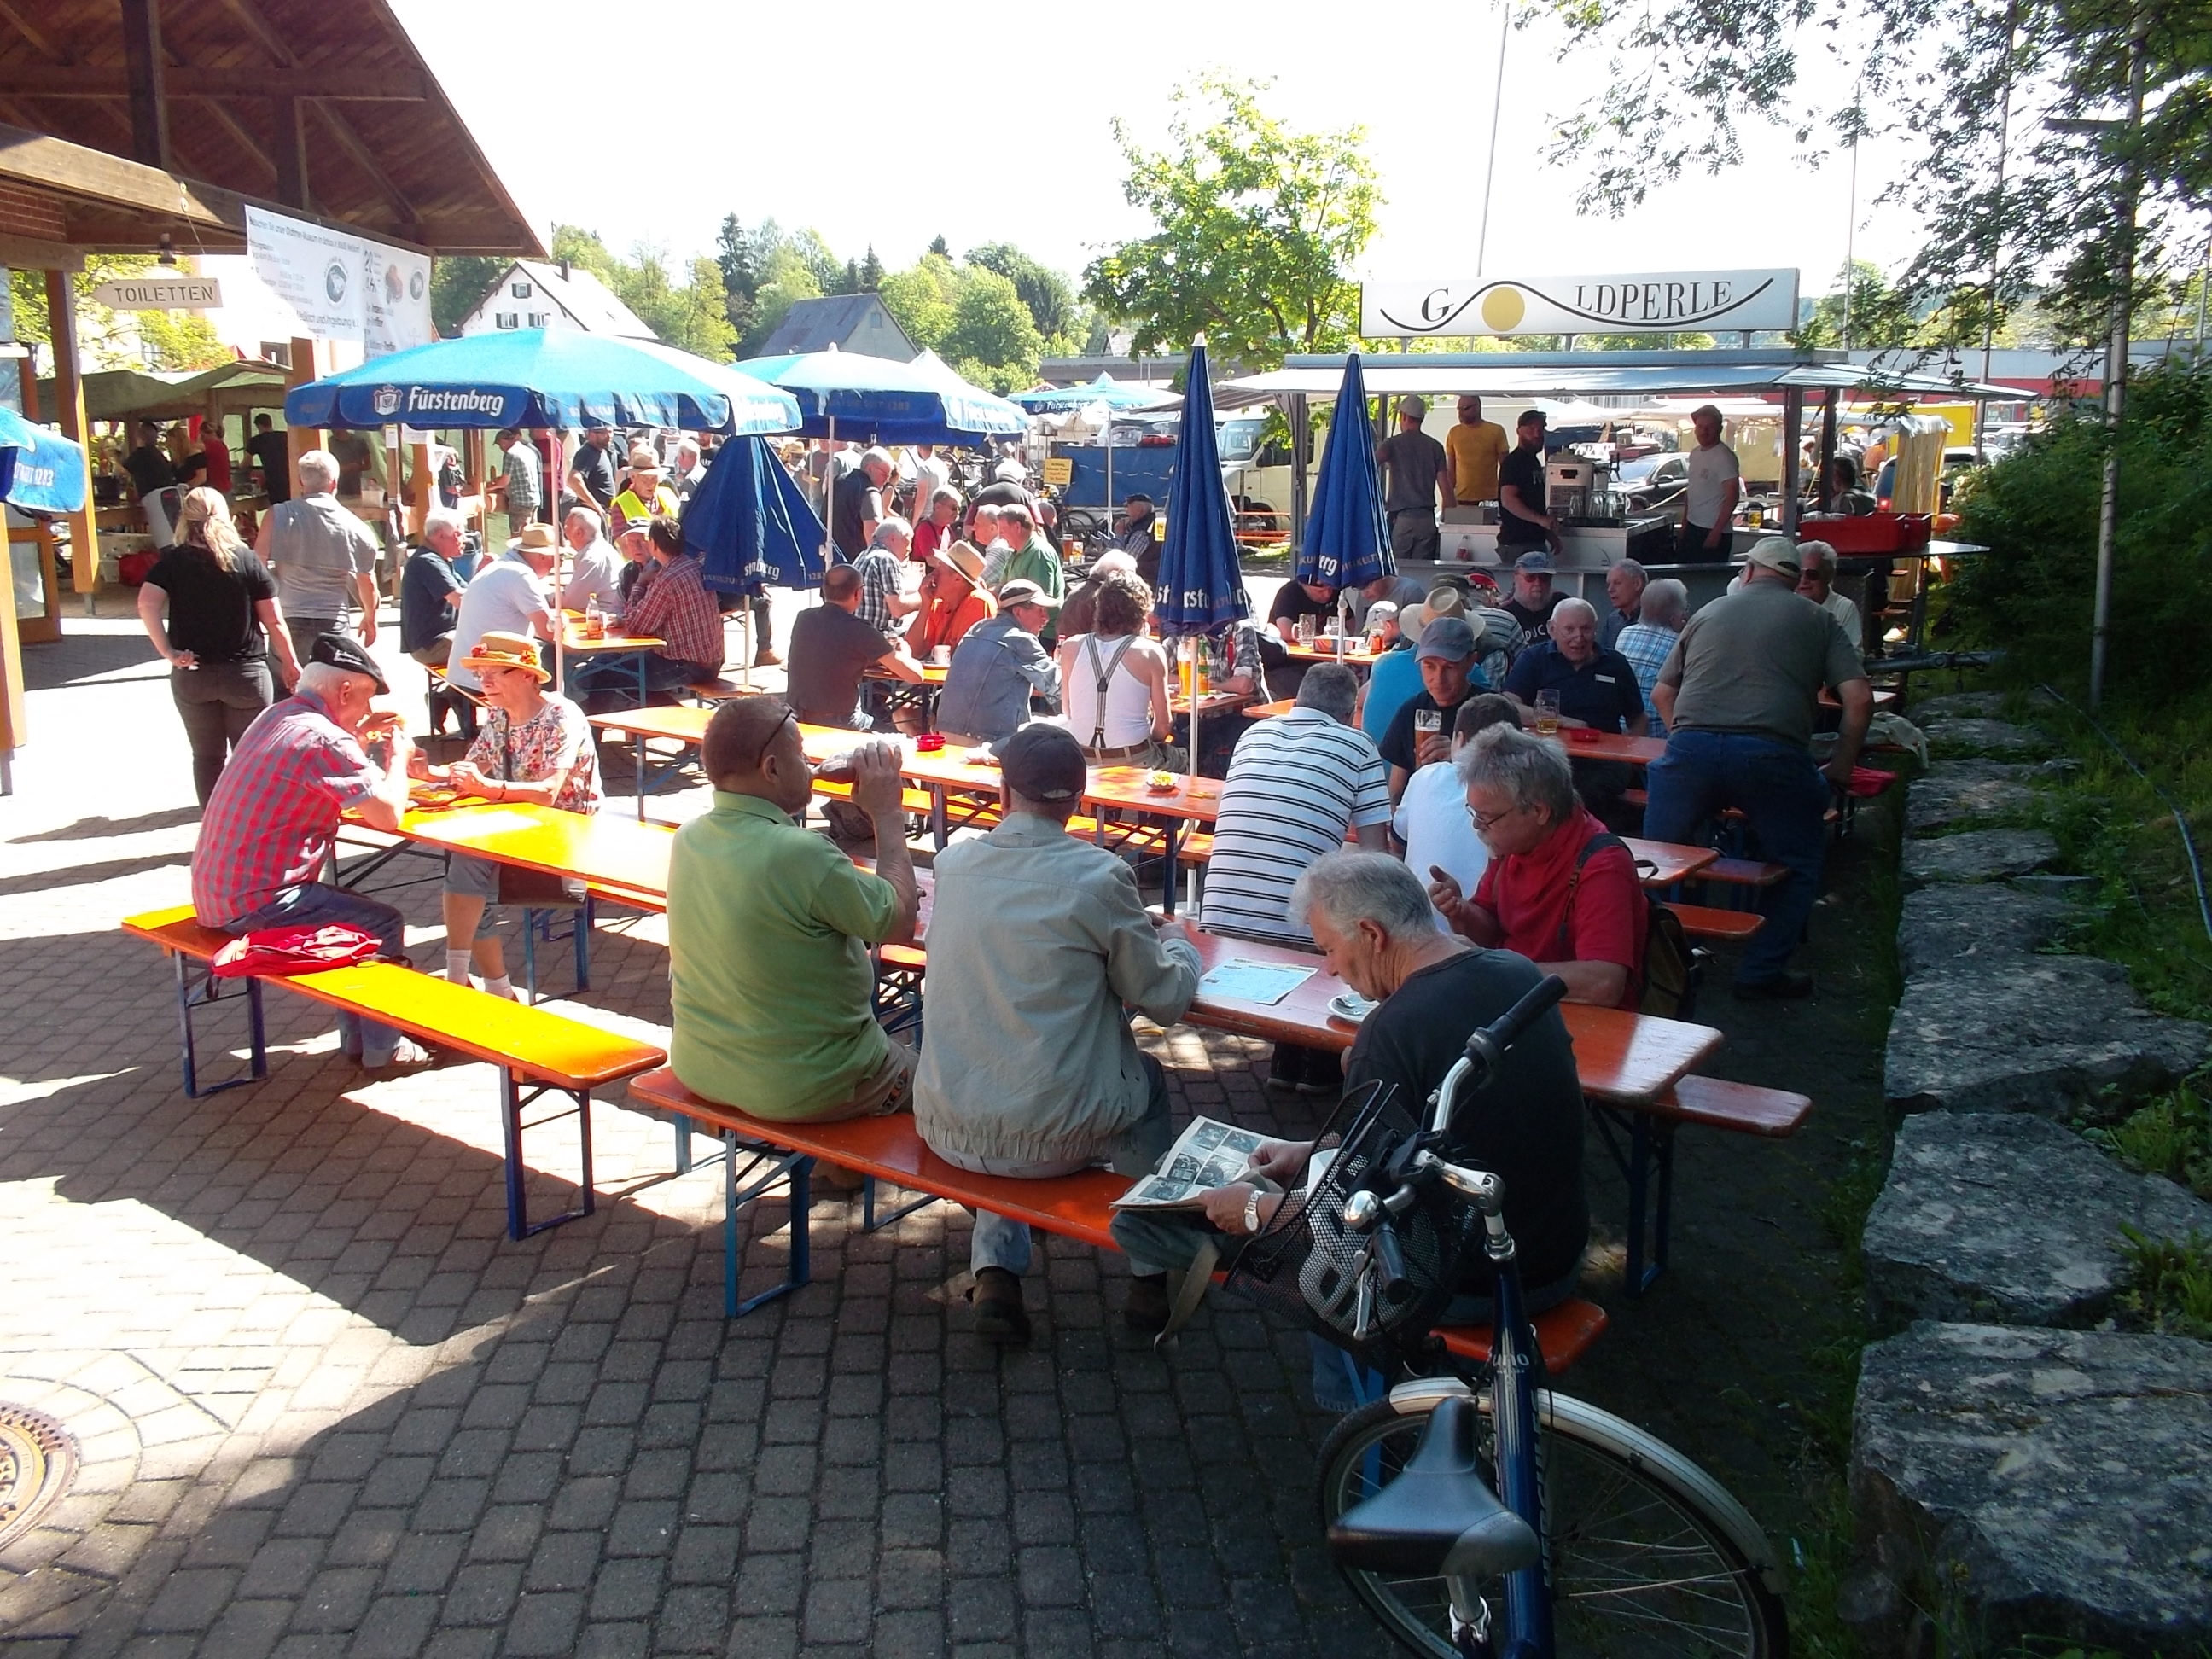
501, 986
457, 966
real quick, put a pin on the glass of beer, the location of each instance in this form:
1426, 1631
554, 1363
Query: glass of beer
1548, 713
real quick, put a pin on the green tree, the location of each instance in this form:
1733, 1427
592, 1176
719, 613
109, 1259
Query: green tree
2042, 216
458, 287
1045, 292
872, 272
921, 299
1256, 226
993, 340
738, 256
691, 314
942, 249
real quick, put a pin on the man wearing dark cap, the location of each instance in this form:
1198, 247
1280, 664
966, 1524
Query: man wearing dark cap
1420, 476
770, 929
1737, 694
999, 664
1521, 521
1533, 598
1037, 942
267, 829
1419, 733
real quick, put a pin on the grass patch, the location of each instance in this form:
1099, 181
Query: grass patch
2171, 1136
2172, 1284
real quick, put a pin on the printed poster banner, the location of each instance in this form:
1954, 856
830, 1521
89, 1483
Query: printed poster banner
340, 285
1639, 302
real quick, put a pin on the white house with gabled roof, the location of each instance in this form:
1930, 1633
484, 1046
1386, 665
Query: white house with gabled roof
538, 294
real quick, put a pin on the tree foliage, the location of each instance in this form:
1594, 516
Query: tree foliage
458, 287
992, 340
1257, 227
1045, 292
2039, 217
690, 314
922, 299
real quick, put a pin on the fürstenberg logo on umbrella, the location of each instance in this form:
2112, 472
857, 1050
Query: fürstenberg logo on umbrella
1600, 303
390, 401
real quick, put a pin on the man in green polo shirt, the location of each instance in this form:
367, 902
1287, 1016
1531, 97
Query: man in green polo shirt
769, 928
1033, 559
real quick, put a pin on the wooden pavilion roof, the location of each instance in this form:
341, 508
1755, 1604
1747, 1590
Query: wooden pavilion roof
323, 109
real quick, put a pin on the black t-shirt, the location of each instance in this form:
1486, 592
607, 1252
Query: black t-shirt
1536, 620
423, 613
830, 648
853, 503
1292, 601
597, 470
150, 471
1398, 741
1524, 470
1002, 492
211, 609
1602, 691
272, 453
1526, 1127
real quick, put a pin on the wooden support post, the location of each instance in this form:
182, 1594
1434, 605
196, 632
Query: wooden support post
142, 60
69, 406
290, 152
1793, 466
421, 485
307, 365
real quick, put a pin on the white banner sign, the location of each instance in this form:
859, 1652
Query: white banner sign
1678, 301
340, 285
160, 293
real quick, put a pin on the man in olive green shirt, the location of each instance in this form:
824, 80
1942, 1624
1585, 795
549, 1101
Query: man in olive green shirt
1033, 559
769, 928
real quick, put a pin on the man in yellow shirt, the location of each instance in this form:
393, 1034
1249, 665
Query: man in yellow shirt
1476, 447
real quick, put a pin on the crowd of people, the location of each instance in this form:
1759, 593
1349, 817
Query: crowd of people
1433, 851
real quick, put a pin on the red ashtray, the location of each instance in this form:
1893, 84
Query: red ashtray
1582, 734
929, 743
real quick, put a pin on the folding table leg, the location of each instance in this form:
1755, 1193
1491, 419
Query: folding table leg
1639, 1272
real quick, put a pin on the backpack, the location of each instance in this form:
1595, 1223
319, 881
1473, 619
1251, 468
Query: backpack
1669, 977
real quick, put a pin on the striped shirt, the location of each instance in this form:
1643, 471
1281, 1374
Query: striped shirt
672, 602
1296, 784
269, 824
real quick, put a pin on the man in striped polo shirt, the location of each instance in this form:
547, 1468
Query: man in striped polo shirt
1297, 784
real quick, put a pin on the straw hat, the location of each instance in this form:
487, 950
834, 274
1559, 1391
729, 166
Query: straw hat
642, 459
536, 538
498, 650
962, 557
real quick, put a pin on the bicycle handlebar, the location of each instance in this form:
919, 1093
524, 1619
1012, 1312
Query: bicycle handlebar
1390, 1258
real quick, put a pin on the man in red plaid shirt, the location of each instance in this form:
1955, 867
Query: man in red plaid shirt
267, 829
670, 603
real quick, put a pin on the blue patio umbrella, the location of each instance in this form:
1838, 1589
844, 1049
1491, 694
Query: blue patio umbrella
1201, 582
549, 377
40, 470
751, 526
1113, 394
1346, 545
851, 394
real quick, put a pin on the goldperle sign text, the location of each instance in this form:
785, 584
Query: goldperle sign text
1625, 302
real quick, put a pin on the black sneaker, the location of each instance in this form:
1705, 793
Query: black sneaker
1287, 1069
1785, 986
999, 1316
1146, 1309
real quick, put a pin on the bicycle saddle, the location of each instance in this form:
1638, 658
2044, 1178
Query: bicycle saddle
1439, 1516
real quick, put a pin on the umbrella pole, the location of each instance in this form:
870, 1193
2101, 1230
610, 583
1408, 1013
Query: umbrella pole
746, 647
828, 502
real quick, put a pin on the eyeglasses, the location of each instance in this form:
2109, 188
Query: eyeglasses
790, 718
1483, 823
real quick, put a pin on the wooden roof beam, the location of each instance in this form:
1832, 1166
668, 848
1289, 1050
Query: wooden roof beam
142, 65
352, 144
190, 80
266, 32
12, 15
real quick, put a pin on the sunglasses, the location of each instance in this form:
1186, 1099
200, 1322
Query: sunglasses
790, 718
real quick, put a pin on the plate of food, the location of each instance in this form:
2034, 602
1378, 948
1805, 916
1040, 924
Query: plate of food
431, 797
1162, 783
1351, 1007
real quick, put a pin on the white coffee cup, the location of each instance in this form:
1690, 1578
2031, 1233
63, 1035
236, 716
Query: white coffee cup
941, 656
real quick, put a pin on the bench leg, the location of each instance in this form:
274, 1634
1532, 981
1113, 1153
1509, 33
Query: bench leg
793, 1169
870, 1222
513, 1099
188, 1001
1651, 1144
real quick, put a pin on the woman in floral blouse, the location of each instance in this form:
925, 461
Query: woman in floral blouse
534, 747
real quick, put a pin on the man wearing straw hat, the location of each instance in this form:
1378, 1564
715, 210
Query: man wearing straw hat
643, 497
953, 601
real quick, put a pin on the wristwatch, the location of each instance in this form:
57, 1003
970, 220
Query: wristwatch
1252, 1210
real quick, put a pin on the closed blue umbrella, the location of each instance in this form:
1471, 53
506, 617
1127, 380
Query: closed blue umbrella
40, 470
750, 523
1202, 580
1346, 545
549, 377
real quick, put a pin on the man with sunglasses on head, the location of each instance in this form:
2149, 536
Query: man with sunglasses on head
769, 930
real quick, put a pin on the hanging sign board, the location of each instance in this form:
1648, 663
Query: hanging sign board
340, 285
1058, 470
1676, 301
160, 292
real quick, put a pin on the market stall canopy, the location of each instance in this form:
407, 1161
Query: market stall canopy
123, 394
880, 400
137, 121
557, 377
1566, 375
1106, 390
40, 470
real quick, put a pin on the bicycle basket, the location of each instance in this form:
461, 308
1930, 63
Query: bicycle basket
1308, 1264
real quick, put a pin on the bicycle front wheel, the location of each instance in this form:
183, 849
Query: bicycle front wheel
1645, 1564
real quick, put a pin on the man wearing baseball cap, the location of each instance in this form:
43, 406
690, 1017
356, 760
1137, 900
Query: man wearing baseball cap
1037, 943
1533, 598
997, 667
1419, 733
266, 832
1522, 522
1420, 476
1737, 694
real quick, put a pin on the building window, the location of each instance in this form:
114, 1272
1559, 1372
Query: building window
505, 319
521, 290
537, 319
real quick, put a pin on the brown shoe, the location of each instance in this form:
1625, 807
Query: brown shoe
999, 1316
766, 657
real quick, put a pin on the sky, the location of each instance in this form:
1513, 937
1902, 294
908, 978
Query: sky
697, 113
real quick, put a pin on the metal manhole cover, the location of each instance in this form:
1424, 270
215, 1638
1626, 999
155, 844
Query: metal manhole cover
38, 1461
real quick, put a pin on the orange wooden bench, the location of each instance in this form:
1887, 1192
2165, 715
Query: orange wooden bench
1077, 1207
1708, 921
537, 1052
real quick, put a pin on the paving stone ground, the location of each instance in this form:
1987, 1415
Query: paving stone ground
327, 1408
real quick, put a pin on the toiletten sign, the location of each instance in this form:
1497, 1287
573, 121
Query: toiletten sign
1629, 302
160, 293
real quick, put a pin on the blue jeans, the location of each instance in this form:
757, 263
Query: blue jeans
1782, 796
313, 904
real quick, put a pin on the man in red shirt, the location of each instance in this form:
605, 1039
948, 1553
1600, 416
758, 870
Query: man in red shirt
1573, 908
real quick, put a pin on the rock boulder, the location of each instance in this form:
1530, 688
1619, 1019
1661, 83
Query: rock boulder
1971, 735
1978, 856
1947, 925
2005, 1219
2039, 1483
2034, 1034
1965, 791
1958, 705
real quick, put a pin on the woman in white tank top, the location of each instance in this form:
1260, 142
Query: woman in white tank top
1114, 682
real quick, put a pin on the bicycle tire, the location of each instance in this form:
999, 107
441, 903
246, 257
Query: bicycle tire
1080, 524
1615, 1497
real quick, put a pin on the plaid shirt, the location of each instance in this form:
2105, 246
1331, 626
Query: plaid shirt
269, 824
1647, 649
671, 602
879, 579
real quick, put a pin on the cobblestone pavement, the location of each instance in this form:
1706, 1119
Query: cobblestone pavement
325, 1407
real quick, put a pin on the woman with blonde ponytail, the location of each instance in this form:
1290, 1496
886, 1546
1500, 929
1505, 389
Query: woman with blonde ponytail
210, 605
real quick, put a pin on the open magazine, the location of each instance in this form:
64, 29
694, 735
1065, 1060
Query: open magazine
1208, 1154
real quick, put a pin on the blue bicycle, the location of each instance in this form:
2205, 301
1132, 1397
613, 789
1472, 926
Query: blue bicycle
1476, 1514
